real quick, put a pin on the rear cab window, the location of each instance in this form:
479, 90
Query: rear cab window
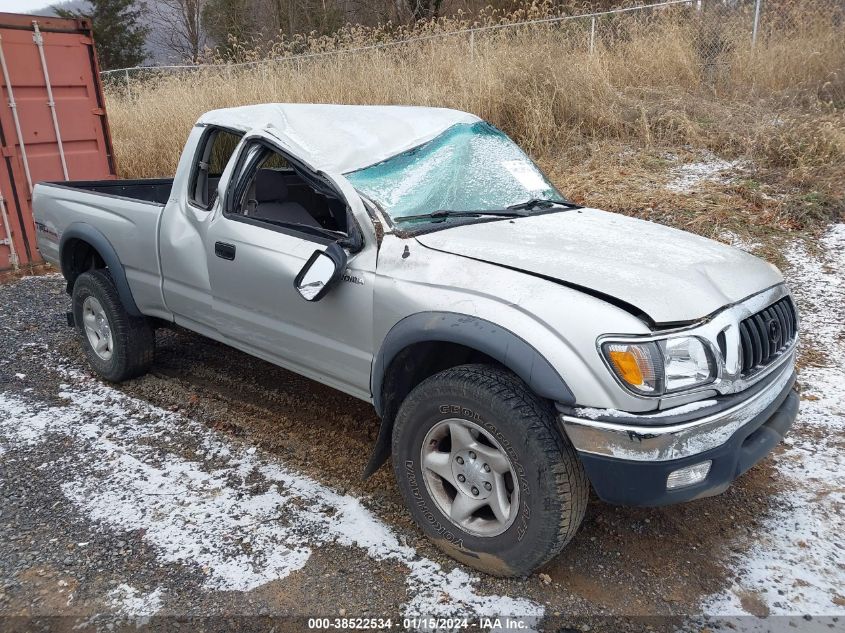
215, 149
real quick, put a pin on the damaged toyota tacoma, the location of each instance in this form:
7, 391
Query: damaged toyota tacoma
519, 349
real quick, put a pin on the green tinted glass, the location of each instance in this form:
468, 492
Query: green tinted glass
469, 167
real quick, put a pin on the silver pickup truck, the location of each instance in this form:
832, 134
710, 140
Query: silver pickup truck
519, 349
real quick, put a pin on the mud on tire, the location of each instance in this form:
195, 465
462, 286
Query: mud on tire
132, 338
553, 487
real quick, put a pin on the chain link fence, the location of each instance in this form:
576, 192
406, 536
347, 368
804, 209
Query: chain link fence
717, 30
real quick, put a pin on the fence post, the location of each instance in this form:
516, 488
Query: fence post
472, 45
128, 89
757, 4
592, 34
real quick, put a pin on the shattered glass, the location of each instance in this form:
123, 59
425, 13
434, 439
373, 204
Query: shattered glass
469, 167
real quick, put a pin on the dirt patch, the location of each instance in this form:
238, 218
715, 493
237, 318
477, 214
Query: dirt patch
754, 604
11, 276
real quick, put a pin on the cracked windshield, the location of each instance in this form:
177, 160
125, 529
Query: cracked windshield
469, 167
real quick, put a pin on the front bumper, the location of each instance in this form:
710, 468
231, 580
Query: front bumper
629, 464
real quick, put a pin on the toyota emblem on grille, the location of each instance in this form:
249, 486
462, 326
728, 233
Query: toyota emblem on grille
774, 331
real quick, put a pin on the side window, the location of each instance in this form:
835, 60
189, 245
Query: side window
216, 148
278, 193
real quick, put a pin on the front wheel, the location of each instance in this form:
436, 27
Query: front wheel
485, 472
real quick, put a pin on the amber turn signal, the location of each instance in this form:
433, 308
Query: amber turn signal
636, 364
627, 367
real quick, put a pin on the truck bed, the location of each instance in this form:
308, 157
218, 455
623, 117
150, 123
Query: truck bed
116, 216
155, 190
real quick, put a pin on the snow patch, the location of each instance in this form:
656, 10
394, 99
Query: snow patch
595, 414
736, 241
687, 177
27, 424
797, 564
436, 600
238, 515
130, 602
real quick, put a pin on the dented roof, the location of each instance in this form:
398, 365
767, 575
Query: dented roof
340, 138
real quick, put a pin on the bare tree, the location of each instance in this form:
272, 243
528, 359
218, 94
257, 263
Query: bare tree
424, 9
303, 16
179, 26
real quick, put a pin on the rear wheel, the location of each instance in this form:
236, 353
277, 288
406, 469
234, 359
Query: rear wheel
485, 472
118, 345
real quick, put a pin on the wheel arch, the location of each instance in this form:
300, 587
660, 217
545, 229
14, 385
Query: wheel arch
83, 247
425, 343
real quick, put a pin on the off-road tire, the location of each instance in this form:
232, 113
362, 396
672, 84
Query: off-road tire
133, 337
553, 485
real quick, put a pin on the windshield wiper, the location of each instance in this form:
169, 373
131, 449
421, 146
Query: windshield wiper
540, 203
442, 214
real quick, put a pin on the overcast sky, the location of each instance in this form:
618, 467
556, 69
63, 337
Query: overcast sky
23, 6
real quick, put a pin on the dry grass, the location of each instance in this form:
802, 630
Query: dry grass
601, 124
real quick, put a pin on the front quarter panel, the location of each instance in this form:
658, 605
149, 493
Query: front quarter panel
560, 323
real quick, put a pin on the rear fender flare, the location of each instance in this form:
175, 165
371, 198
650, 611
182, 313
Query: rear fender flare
99, 242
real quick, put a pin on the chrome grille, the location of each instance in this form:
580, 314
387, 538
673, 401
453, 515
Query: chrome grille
765, 335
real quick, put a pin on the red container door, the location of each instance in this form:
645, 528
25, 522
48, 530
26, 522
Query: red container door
61, 132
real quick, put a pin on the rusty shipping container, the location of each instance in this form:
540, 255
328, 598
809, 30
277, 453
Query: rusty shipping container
53, 122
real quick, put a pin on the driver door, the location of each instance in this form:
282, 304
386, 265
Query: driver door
254, 255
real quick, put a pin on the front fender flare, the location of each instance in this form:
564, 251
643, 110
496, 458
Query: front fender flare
479, 334
99, 242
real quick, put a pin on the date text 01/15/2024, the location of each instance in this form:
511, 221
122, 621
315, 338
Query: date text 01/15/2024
421, 623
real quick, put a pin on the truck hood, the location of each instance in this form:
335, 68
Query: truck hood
670, 275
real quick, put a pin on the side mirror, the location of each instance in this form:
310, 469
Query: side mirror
320, 272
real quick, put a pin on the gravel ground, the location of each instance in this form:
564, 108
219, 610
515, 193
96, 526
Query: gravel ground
223, 487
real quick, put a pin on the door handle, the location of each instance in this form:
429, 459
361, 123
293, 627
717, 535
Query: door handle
224, 250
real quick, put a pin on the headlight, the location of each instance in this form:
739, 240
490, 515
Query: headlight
686, 363
662, 366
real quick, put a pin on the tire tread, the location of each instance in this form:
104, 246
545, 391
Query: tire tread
537, 416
